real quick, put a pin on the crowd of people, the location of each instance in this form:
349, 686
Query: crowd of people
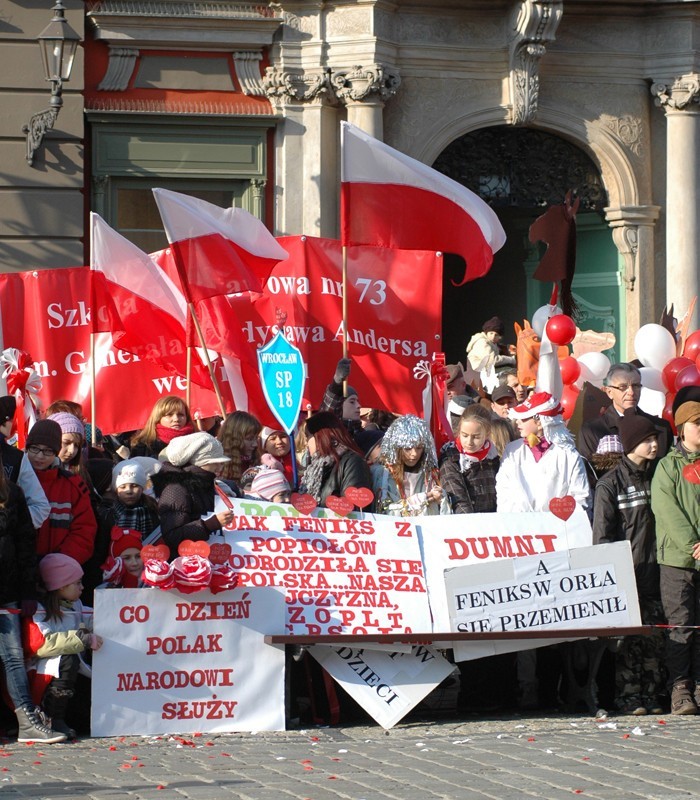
78, 507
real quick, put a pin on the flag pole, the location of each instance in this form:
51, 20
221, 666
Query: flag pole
93, 311
345, 312
188, 375
212, 375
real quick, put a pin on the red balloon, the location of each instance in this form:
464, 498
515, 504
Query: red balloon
561, 329
570, 370
691, 348
568, 400
671, 370
688, 376
667, 413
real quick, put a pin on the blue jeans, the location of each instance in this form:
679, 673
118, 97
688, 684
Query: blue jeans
12, 659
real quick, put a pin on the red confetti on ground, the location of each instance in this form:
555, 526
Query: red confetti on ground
134, 758
36, 762
209, 744
532, 739
661, 721
307, 761
578, 791
5, 755
139, 765
126, 766
160, 787
626, 736
133, 744
29, 744
225, 755
112, 747
5, 769
586, 758
196, 735
314, 738
336, 759
332, 778
310, 769
122, 738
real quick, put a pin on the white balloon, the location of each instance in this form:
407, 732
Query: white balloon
652, 402
654, 346
594, 367
540, 317
652, 379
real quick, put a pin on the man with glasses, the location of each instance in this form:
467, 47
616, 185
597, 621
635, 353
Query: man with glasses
623, 385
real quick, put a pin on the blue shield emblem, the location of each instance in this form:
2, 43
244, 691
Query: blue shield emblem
282, 375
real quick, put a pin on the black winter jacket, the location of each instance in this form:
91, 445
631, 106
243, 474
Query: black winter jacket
184, 495
473, 491
622, 511
18, 559
352, 470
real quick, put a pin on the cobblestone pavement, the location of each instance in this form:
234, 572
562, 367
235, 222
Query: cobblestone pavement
542, 757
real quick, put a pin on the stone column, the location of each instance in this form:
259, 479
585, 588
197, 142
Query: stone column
633, 234
306, 151
364, 91
680, 100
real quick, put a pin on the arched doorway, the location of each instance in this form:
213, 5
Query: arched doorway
519, 172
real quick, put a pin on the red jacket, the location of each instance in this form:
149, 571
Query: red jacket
71, 526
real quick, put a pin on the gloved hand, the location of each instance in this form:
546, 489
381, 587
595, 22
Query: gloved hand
27, 609
90, 641
342, 370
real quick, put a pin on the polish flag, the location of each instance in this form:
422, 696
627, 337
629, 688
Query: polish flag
391, 200
135, 301
217, 250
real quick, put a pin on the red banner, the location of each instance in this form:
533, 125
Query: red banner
394, 318
394, 324
47, 314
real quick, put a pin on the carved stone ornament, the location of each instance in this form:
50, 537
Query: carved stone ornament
120, 68
536, 23
683, 92
626, 239
247, 64
359, 83
280, 85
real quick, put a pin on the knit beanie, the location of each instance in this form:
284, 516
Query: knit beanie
45, 433
634, 429
69, 423
609, 444
266, 432
198, 449
269, 482
8, 406
128, 472
58, 570
123, 539
320, 421
494, 324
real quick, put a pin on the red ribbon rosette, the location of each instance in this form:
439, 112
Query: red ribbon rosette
191, 573
113, 570
223, 578
159, 574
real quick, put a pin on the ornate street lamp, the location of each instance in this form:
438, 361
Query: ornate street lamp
58, 42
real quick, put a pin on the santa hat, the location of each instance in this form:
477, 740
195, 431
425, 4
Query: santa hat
123, 539
538, 404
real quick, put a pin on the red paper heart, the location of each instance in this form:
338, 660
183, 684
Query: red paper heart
359, 496
341, 505
691, 472
562, 507
190, 548
219, 553
155, 552
304, 503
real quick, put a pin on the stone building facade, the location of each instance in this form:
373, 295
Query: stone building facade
241, 103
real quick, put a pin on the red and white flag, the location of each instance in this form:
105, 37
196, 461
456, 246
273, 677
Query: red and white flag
391, 200
217, 250
135, 301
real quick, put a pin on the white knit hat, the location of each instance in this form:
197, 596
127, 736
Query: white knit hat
128, 472
194, 448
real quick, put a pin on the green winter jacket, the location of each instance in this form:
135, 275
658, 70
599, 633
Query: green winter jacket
675, 502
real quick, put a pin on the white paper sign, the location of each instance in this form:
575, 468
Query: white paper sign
464, 539
590, 587
336, 574
174, 663
387, 685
